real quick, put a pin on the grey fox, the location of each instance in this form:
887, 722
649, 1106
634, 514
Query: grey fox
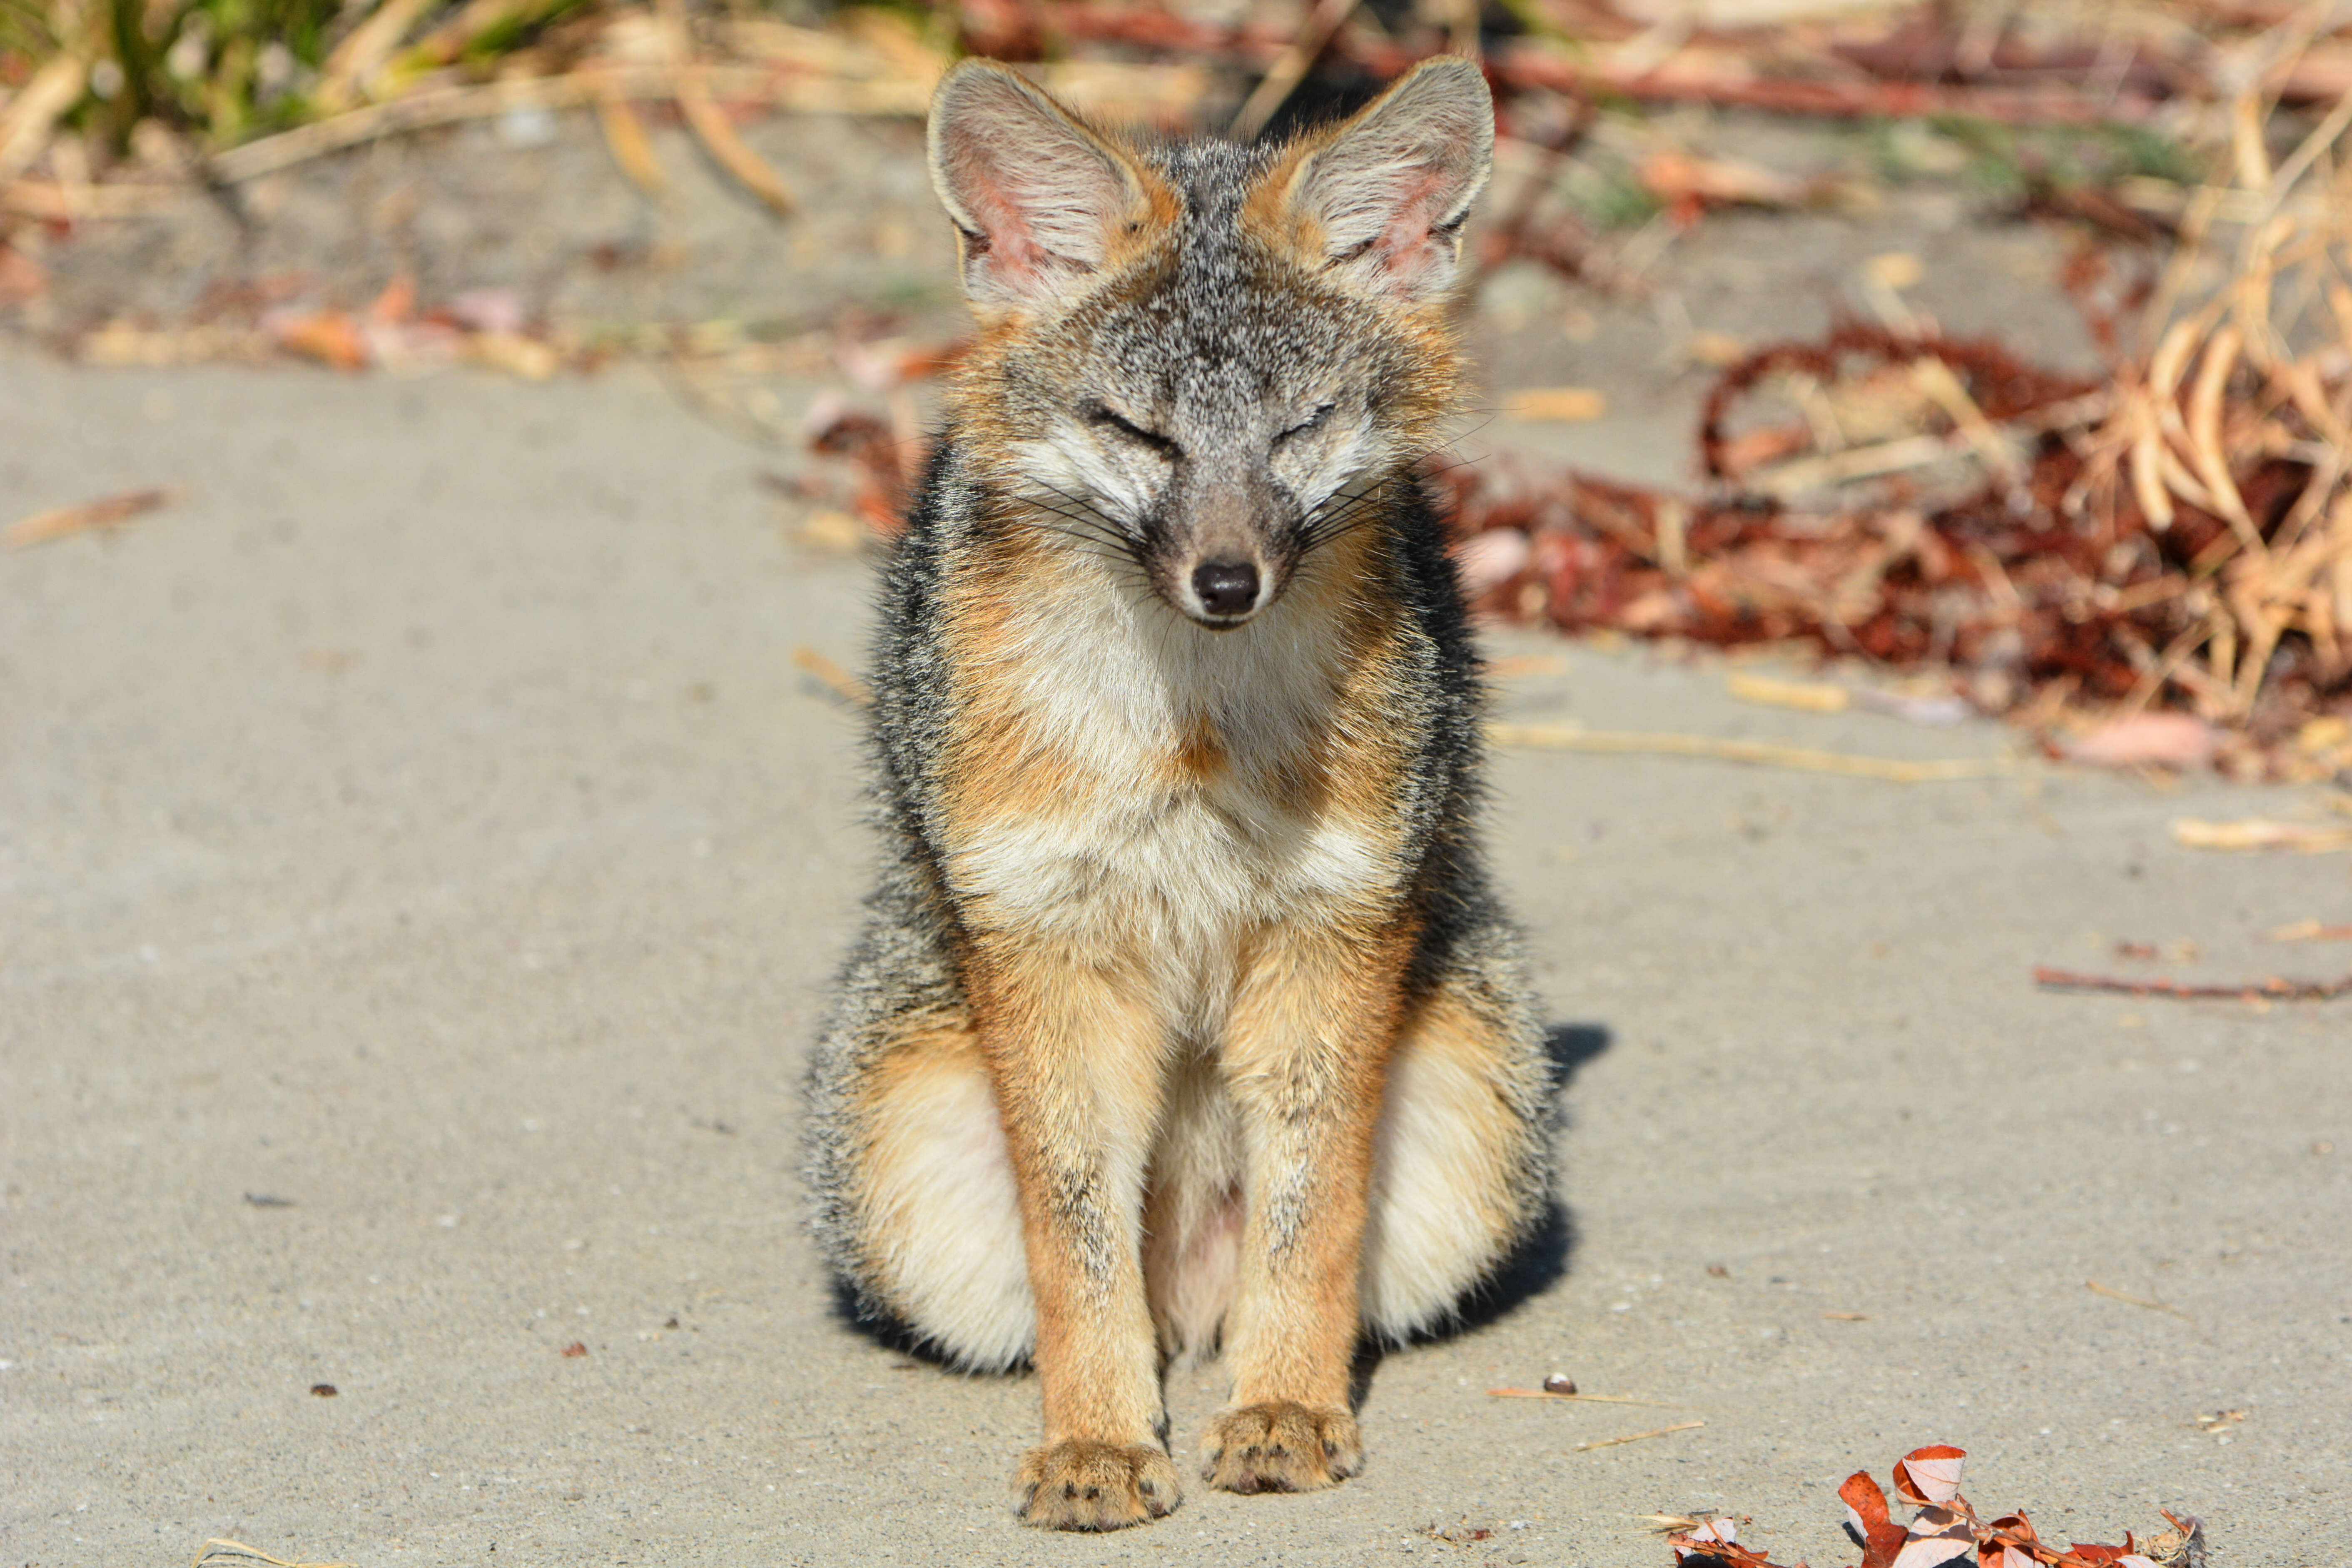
1183, 1012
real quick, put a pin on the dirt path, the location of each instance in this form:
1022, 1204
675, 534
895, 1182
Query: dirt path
420, 861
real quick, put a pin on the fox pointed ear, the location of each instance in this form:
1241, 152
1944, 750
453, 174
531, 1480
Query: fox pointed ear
1040, 201
1379, 202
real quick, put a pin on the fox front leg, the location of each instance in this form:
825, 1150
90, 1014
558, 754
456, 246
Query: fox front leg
1075, 1062
1305, 1048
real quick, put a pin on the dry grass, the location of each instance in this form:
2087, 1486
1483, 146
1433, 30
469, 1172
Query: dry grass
2240, 412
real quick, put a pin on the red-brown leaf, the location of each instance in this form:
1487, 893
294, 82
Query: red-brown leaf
1937, 1536
1929, 1475
1879, 1537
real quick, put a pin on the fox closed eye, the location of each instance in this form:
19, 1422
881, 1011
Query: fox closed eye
1102, 416
1308, 426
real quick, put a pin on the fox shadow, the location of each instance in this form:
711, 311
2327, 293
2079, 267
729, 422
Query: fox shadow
1539, 1261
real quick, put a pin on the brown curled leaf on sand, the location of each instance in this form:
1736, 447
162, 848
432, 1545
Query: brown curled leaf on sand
105, 513
1946, 1530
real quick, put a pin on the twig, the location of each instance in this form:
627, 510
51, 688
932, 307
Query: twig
709, 123
364, 49
59, 521
56, 202
1860, 463
1589, 1398
238, 1551
2261, 833
845, 686
2112, 1294
1509, 233
729, 152
452, 105
1764, 753
26, 118
2310, 931
1634, 1436
1535, 65
625, 138
2273, 989
1283, 77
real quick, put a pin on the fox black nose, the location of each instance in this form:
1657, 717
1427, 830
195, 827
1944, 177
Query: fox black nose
1226, 587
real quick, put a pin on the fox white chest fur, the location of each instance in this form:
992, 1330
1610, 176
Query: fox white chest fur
1171, 821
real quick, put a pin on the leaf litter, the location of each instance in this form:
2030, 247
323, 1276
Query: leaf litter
1945, 1529
2147, 568
2150, 568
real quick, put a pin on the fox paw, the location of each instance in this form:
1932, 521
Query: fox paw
1279, 1446
1078, 1485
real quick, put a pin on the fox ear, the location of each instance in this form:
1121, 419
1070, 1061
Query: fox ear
1040, 201
1380, 201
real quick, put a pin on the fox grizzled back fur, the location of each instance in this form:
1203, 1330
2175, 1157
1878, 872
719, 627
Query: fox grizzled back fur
1183, 1017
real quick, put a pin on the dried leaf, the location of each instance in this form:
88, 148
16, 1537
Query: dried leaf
1488, 561
1937, 1536
395, 305
514, 353
1931, 1475
1687, 181
1894, 269
1716, 1542
2147, 740
331, 337
1879, 1537
489, 310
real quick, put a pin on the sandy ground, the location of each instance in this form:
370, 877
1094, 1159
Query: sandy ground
420, 867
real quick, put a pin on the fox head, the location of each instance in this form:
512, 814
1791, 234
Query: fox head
1208, 357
